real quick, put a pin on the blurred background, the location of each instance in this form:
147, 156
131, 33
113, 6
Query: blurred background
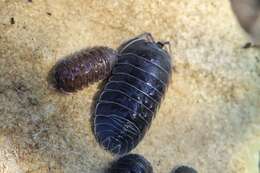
209, 118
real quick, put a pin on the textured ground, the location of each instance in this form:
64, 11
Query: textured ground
210, 117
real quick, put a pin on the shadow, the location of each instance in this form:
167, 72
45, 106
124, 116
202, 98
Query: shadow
52, 83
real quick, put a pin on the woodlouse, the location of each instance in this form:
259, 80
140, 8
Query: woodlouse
129, 100
131, 163
83, 68
184, 169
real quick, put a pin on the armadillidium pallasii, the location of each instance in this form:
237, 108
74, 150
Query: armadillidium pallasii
132, 95
131, 163
83, 68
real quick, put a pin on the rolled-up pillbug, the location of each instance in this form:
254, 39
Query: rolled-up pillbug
129, 100
83, 68
131, 163
184, 169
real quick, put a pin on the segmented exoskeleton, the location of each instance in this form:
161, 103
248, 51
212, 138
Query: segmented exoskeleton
132, 95
83, 68
132, 163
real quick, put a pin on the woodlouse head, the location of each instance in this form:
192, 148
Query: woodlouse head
148, 38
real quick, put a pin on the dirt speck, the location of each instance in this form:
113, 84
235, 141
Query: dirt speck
12, 21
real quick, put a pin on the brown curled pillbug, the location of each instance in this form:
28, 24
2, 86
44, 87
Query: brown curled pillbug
83, 68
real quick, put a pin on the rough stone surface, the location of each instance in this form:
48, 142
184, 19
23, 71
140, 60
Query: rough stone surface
209, 119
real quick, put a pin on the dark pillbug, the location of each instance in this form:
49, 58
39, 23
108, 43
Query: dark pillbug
129, 100
83, 68
131, 163
184, 169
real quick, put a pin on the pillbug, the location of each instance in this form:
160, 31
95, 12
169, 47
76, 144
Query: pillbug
131, 163
184, 169
130, 98
83, 68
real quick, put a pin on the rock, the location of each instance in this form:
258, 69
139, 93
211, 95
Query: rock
210, 111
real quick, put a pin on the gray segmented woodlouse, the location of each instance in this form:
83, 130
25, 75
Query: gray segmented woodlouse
83, 68
131, 163
129, 100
